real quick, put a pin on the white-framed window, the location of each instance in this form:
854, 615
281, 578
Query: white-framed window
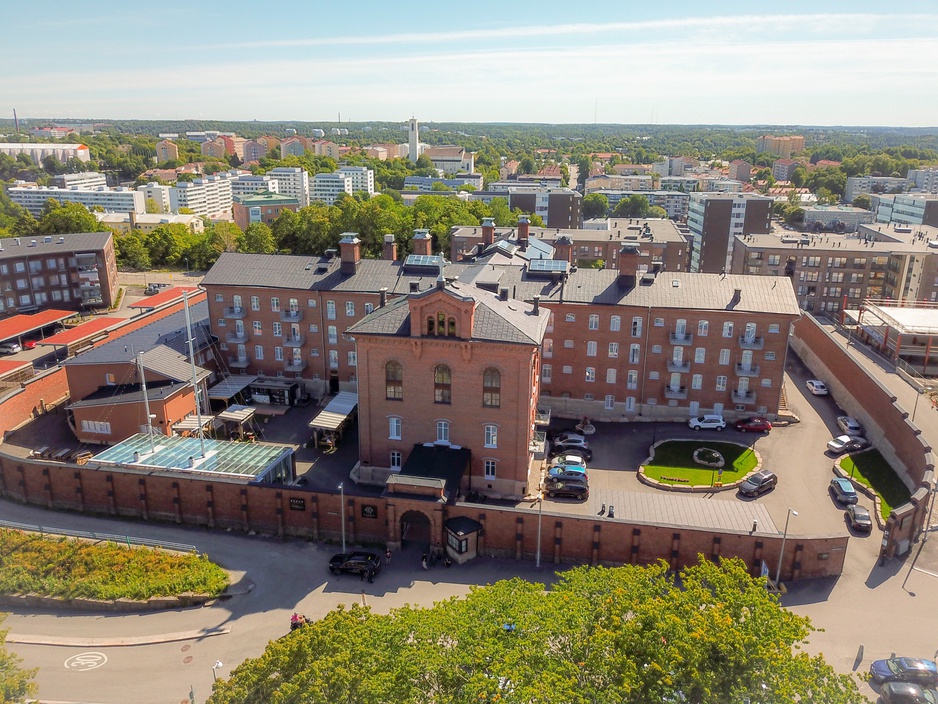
353, 359
330, 310
278, 354
219, 298
659, 322
546, 372
256, 327
591, 373
350, 309
770, 356
490, 466
550, 323
609, 402
594, 322
221, 323
615, 323
278, 330
700, 355
369, 308
275, 304
333, 359
696, 381
258, 352
631, 379
395, 459
613, 349
96, 426
728, 329
442, 431
635, 352
333, 334
654, 376
656, 349
703, 328
255, 302
395, 428
766, 382
721, 383
630, 404
773, 327
491, 436
570, 318
637, 326
591, 348
548, 348
568, 344
724, 357
611, 375
567, 369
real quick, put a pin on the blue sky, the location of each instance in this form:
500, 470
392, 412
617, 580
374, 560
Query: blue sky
830, 63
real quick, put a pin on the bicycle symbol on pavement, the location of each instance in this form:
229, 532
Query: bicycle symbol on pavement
85, 661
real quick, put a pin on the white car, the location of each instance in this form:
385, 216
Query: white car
817, 387
851, 426
10, 348
568, 461
847, 443
568, 436
707, 422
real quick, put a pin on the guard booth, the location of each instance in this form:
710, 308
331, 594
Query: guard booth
462, 538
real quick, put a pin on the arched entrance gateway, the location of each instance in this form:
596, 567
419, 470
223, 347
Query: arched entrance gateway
416, 530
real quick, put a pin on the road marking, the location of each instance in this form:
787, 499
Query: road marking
930, 574
85, 661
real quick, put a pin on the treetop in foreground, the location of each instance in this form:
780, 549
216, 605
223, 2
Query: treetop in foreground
625, 634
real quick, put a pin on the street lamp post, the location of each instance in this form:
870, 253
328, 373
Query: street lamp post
187, 265
781, 553
217, 665
915, 407
342, 510
540, 513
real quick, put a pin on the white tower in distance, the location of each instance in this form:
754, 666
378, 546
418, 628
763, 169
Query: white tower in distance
413, 140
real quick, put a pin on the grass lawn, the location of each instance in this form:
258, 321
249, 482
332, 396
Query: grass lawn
872, 470
78, 569
675, 460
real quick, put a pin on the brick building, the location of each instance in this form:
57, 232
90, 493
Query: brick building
262, 206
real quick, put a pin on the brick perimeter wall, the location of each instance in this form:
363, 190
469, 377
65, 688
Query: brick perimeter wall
295, 511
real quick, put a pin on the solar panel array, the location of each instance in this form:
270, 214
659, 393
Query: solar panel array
549, 265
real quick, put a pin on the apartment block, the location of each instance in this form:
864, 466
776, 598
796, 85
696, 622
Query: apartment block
740, 170
147, 222
247, 184
836, 218
329, 187
209, 196
908, 208
118, 200
166, 151
617, 182
715, 220
38, 152
83, 179
857, 185
260, 207
426, 183
363, 178
925, 180
292, 181
253, 150
558, 207
293, 146
783, 146
673, 202
67, 271
782, 169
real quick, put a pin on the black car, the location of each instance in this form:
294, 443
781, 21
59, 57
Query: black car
571, 487
759, 483
570, 447
859, 518
907, 693
916, 670
355, 563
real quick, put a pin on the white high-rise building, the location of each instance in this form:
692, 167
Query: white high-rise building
363, 178
156, 192
925, 179
292, 181
245, 185
112, 200
209, 196
413, 140
83, 179
328, 187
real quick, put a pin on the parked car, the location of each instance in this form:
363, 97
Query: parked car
581, 445
755, 424
843, 491
567, 435
759, 483
850, 426
573, 488
707, 422
557, 472
10, 348
817, 387
29, 344
859, 517
360, 562
917, 670
907, 693
847, 443
151, 290
571, 459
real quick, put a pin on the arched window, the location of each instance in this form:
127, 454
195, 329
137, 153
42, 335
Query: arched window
491, 388
394, 380
441, 323
442, 384
451, 327
430, 325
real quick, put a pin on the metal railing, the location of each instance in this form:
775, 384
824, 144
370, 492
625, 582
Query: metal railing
104, 537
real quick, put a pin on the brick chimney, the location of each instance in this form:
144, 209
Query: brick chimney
422, 242
524, 227
488, 231
389, 252
350, 252
627, 265
563, 248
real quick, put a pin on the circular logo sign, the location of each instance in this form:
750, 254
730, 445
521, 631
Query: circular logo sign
85, 661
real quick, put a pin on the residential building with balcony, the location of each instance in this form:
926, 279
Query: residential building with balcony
714, 222
39, 151
363, 178
783, 146
118, 200
782, 169
857, 185
292, 181
83, 179
166, 151
924, 180
246, 184
740, 170
327, 188
209, 196
66, 271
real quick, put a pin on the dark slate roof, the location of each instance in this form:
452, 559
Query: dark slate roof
163, 342
128, 393
438, 462
75, 242
495, 320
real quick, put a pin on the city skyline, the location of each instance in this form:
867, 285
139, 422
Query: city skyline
524, 62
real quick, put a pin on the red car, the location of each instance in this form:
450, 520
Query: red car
29, 344
756, 424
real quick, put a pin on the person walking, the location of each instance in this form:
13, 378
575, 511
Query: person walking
387, 557
423, 561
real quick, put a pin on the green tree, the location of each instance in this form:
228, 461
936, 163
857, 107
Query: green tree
258, 238
165, 244
656, 211
635, 206
132, 252
15, 683
629, 635
863, 201
65, 218
224, 236
527, 166
798, 177
595, 205
423, 162
153, 206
